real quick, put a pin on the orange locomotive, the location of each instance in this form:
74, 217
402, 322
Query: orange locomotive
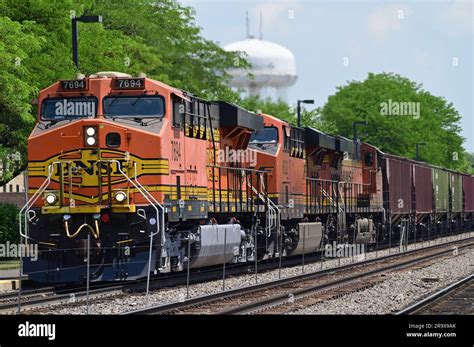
152, 175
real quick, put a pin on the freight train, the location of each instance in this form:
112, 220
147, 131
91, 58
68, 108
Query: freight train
133, 177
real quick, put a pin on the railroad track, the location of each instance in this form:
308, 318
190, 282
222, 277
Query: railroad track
36, 298
9, 296
286, 294
45, 297
458, 298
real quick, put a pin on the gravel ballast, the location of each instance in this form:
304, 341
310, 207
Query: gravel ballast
399, 290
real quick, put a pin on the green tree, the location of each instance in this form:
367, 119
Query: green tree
9, 225
287, 112
18, 41
159, 38
437, 123
470, 163
187, 60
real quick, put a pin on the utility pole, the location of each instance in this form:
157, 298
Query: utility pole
83, 19
298, 109
355, 124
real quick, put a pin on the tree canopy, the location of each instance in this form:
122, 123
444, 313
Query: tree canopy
400, 114
160, 38
156, 37
288, 112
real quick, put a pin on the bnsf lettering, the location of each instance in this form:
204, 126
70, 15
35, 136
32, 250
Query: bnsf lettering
91, 167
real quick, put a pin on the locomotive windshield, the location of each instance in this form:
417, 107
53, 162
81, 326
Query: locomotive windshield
73, 107
265, 139
267, 135
140, 106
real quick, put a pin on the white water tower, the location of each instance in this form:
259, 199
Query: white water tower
273, 66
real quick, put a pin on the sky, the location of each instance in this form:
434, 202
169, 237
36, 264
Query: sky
336, 41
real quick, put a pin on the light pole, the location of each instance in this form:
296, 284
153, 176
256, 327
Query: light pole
418, 149
83, 19
355, 124
298, 109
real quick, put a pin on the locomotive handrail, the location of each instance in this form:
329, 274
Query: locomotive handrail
142, 191
330, 198
274, 211
163, 239
277, 214
32, 200
271, 210
322, 180
237, 168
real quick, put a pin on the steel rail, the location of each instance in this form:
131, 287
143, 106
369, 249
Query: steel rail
201, 300
65, 294
437, 296
343, 282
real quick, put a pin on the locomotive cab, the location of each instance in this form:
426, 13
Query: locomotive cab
97, 144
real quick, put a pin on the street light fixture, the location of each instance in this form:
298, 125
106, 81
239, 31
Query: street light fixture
355, 124
83, 19
298, 109
418, 149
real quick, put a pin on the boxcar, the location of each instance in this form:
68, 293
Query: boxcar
441, 190
455, 184
468, 188
423, 188
397, 188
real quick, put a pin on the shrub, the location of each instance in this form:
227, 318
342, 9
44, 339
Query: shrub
9, 223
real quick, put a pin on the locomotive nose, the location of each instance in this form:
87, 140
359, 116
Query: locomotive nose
104, 135
92, 164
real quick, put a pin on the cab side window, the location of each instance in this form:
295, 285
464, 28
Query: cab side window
178, 112
297, 142
192, 116
195, 119
286, 138
368, 159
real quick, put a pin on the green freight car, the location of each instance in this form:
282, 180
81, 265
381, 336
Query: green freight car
441, 190
455, 181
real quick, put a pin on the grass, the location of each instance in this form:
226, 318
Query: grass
9, 264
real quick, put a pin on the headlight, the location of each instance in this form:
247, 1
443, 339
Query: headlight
90, 131
51, 198
90, 141
120, 197
90, 135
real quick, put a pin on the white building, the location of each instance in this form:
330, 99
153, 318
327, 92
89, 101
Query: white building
16, 185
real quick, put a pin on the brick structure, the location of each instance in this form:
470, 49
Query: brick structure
14, 191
